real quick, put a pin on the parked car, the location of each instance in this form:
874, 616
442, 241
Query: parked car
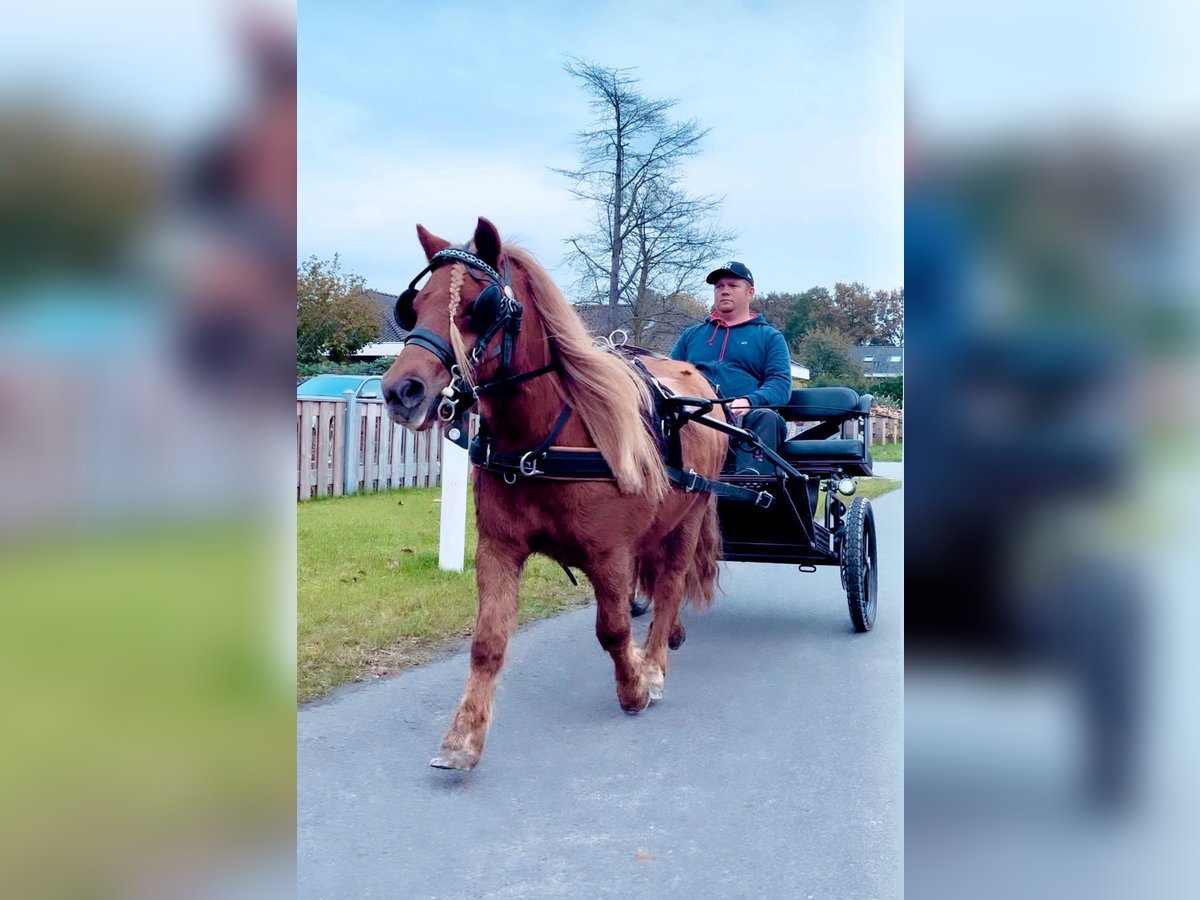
331, 387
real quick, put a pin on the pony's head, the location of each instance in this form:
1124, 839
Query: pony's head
466, 321
464, 312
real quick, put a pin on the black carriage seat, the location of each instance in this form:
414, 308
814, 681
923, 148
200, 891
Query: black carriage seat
819, 446
848, 449
818, 451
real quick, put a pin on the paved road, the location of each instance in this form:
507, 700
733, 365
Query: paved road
772, 768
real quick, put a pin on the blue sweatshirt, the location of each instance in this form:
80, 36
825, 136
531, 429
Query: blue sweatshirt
750, 360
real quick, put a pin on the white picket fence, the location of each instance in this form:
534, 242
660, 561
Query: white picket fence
350, 446
886, 426
380, 456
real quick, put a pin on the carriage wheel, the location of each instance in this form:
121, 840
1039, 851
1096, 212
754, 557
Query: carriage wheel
859, 564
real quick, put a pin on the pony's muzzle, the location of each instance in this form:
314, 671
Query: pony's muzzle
405, 398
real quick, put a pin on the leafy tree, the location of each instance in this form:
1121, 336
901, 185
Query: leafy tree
799, 317
647, 233
334, 315
862, 316
775, 306
857, 311
824, 313
889, 317
889, 391
792, 313
826, 353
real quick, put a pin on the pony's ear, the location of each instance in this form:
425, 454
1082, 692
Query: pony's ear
430, 242
487, 243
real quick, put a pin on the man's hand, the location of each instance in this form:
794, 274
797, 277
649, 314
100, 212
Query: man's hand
739, 407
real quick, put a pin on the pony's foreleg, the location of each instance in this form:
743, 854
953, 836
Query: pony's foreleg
675, 573
665, 629
612, 583
498, 575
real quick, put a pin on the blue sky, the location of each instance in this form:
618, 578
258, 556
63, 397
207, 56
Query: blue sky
438, 113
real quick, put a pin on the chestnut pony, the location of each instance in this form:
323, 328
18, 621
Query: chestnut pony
628, 530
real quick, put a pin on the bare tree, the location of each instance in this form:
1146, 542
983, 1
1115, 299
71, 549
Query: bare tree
647, 235
655, 320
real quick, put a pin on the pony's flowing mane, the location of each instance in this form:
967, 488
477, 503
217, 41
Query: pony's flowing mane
605, 392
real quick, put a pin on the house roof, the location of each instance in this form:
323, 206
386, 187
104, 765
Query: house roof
391, 332
882, 361
391, 336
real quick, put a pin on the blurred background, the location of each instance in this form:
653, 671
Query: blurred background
1051, 231
147, 258
147, 253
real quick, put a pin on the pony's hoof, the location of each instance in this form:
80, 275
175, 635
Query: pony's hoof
638, 707
677, 636
655, 679
464, 760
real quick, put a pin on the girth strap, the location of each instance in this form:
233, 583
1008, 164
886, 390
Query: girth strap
567, 463
693, 482
553, 462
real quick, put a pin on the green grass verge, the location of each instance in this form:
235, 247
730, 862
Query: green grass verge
867, 487
147, 704
887, 452
371, 598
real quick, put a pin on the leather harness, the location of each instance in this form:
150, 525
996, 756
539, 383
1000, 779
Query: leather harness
547, 461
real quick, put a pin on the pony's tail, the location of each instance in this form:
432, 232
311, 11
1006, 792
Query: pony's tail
702, 579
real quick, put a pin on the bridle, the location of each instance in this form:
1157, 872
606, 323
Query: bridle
494, 312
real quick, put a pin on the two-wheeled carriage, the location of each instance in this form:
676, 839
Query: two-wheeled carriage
778, 518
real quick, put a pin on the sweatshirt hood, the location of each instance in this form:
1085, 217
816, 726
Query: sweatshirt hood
756, 319
718, 323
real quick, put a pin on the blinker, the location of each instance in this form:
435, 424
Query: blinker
405, 312
495, 309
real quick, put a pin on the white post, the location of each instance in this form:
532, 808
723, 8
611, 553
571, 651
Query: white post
453, 541
350, 448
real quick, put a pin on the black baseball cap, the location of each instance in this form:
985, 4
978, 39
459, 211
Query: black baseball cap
736, 269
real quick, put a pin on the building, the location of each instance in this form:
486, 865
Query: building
882, 361
391, 337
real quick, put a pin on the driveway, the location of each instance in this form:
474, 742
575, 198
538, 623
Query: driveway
773, 767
